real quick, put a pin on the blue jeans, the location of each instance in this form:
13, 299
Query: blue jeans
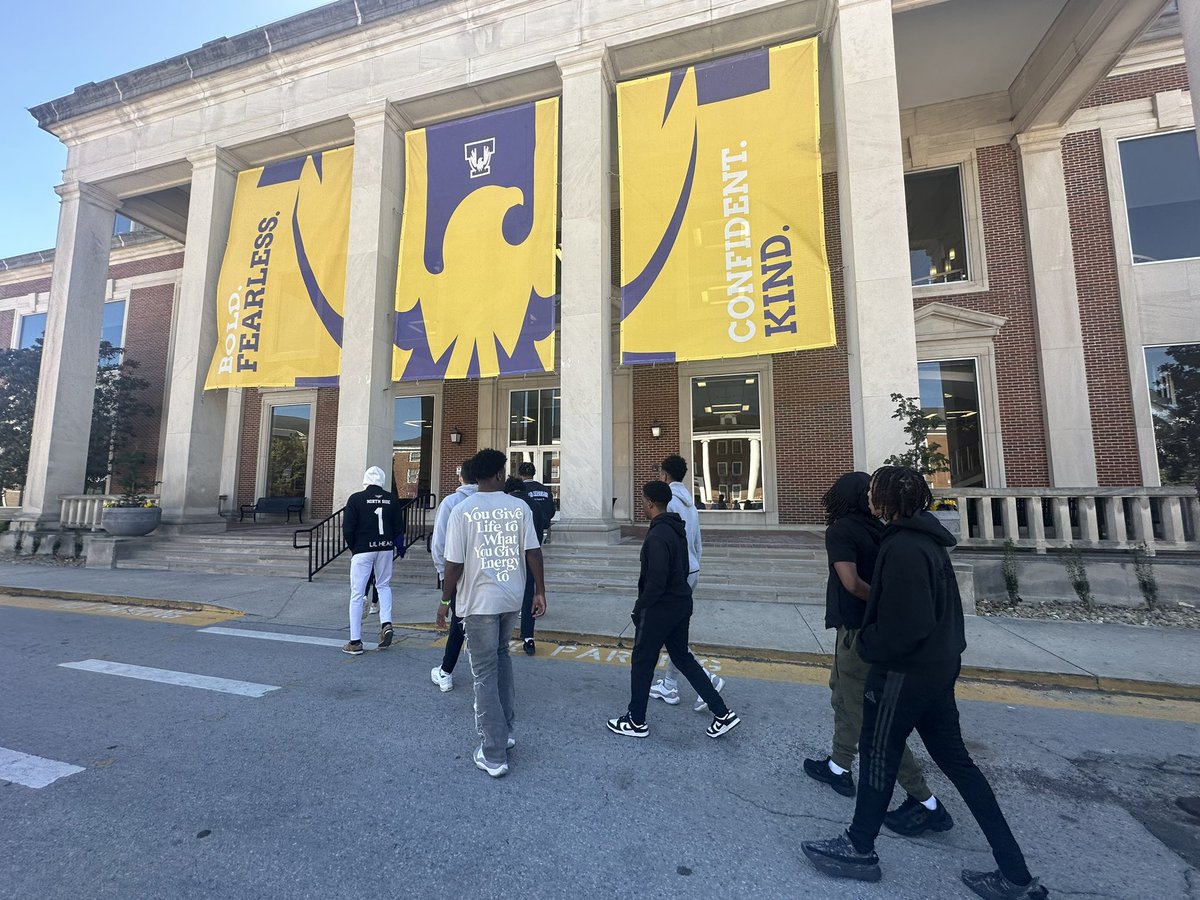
491, 667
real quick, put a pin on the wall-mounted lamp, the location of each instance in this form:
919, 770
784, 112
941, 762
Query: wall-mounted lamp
456, 436
656, 430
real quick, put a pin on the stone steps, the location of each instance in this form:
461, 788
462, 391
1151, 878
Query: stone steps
768, 574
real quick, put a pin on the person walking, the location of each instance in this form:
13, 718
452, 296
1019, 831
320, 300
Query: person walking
490, 540
672, 471
661, 617
443, 675
913, 638
369, 527
541, 503
852, 537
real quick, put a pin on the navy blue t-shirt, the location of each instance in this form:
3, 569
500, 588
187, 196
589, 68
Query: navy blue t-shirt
852, 538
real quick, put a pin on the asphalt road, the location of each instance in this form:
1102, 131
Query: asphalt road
354, 779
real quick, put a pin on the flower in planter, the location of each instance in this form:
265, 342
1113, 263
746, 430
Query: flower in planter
945, 504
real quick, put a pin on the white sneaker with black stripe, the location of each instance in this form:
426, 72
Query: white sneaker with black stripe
626, 726
723, 724
719, 683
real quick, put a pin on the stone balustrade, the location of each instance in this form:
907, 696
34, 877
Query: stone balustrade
83, 510
1163, 518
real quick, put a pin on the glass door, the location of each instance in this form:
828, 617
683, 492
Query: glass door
534, 431
412, 446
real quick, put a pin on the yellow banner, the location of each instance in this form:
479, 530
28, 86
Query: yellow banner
722, 224
476, 291
283, 278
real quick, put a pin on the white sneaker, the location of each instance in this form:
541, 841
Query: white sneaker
444, 680
512, 742
659, 690
701, 706
494, 771
374, 609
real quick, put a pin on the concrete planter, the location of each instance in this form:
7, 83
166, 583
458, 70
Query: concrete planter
130, 521
949, 518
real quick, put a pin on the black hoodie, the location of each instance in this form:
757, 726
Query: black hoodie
914, 617
663, 579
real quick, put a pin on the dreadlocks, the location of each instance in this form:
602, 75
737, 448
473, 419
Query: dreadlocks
898, 491
848, 495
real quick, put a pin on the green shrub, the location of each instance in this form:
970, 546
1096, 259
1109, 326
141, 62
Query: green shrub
1077, 573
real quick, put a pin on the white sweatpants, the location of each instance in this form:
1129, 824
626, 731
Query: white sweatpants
361, 566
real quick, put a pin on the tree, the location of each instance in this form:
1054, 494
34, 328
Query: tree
920, 455
117, 411
19, 370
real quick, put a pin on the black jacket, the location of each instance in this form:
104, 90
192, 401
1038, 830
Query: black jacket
365, 530
663, 579
541, 501
914, 617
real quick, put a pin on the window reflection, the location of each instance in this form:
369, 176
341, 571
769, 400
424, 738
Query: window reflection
726, 465
950, 391
1161, 175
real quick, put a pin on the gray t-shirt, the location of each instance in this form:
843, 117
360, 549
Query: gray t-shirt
489, 533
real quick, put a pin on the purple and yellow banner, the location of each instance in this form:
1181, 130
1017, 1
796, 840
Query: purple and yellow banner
283, 278
476, 290
722, 222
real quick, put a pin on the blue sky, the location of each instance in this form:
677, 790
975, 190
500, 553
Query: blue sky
53, 48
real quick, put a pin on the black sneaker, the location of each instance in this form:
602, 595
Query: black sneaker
911, 818
529, 648
723, 724
839, 858
994, 886
385, 636
626, 726
818, 769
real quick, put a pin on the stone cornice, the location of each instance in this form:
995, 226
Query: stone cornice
587, 61
87, 193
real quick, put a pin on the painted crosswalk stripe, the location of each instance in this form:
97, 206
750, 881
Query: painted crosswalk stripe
32, 771
166, 676
282, 636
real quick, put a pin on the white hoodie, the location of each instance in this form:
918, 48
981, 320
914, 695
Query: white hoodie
437, 543
681, 503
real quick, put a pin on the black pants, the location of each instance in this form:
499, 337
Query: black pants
527, 608
370, 590
893, 705
666, 627
454, 640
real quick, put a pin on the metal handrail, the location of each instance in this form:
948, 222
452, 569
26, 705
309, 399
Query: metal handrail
325, 542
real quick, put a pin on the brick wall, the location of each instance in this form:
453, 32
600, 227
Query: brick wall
21, 288
147, 339
248, 449
813, 433
1138, 85
1104, 351
460, 409
324, 438
1009, 294
6, 328
655, 400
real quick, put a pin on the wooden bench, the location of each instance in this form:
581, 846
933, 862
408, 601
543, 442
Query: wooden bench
274, 506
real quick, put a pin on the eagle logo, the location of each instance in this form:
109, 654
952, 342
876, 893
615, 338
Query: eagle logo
479, 156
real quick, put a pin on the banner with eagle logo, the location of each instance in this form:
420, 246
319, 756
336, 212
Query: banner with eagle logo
476, 288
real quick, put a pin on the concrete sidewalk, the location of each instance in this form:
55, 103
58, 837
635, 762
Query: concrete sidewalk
1162, 661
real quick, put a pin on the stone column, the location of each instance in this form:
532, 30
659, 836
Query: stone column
881, 339
586, 377
67, 383
195, 426
1059, 331
1189, 22
366, 410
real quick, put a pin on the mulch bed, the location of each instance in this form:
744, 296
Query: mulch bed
1175, 615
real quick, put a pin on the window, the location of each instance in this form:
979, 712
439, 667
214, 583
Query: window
950, 391
287, 455
33, 328
1174, 376
937, 238
412, 446
726, 436
1161, 175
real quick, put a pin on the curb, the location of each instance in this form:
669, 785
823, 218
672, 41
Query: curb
156, 602
1100, 684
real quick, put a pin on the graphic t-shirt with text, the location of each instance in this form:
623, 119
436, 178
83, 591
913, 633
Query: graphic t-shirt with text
489, 533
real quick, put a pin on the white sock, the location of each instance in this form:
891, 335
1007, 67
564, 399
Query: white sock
836, 769
930, 804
